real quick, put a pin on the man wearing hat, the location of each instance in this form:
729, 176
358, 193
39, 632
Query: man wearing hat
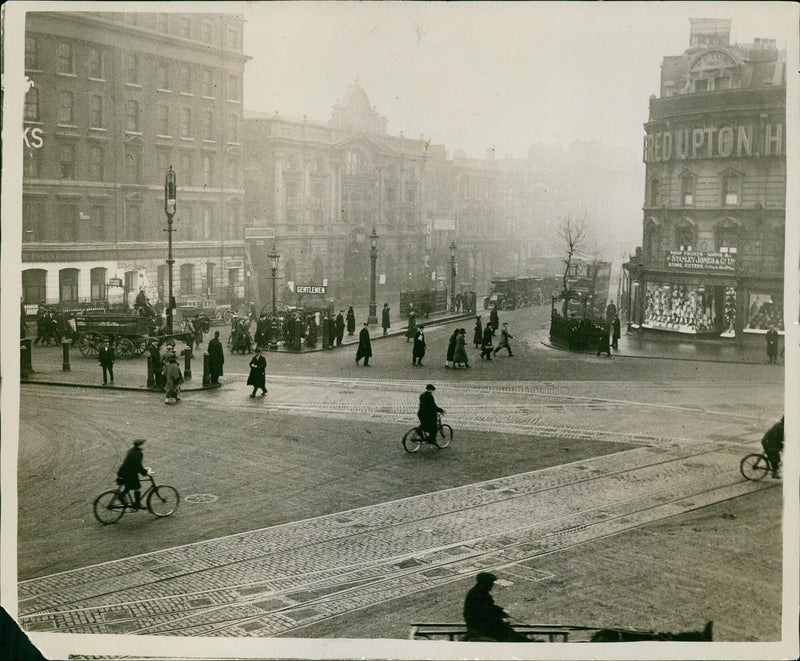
364, 345
486, 620
258, 374
505, 336
418, 352
428, 413
130, 470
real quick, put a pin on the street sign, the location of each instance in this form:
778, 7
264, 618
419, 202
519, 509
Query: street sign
310, 289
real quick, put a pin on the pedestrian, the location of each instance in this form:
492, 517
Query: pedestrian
486, 344
451, 349
411, 331
603, 343
351, 321
485, 620
494, 319
364, 346
772, 345
385, 318
773, 445
23, 326
172, 380
106, 358
216, 358
460, 355
505, 336
326, 329
611, 311
261, 336
130, 470
156, 364
428, 414
615, 334
258, 374
339, 328
418, 352
477, 334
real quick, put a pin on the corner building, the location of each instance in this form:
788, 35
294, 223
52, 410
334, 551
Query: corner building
711, 261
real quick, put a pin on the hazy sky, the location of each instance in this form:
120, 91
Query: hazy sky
471, 75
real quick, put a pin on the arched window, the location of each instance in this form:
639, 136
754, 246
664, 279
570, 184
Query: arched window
726, 234
652, 242
68, 285
685, 235
97, 279
34, 286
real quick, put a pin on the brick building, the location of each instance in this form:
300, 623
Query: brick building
711, 261
118, 98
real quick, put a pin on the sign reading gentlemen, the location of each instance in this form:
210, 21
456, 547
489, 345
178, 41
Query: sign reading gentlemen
310, 289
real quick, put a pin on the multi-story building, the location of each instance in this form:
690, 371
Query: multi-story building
116, 100
711, 261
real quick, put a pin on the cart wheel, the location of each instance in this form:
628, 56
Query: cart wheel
140, 346
125, 348
90, 344
226, 316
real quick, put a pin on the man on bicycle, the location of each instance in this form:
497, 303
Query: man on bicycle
130, 470
428, 414
773, 445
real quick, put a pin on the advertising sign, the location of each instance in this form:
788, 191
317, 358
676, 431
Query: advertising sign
701, 261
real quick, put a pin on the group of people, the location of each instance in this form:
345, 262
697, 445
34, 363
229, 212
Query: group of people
483, 337
51, 326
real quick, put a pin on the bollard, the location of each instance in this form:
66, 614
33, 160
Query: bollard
206, 369
25, 358
151, 375
187, 363
65, 352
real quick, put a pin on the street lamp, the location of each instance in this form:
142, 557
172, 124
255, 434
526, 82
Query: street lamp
452, 275
273, 340
170, 205
373, 256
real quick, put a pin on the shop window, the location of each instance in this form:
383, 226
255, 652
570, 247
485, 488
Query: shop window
681, 308
32, 105
34, 286
68, 285
187, 279
653, 192
97, 280
765, 311
729, 323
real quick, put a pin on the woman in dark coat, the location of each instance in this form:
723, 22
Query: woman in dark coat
364, 346
216, 358
477, 335
460, 354
451, 349
494, 319
258, 374
351, 321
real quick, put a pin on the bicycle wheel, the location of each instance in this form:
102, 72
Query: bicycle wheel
108, 508
444, 436
754, 467
412, 441
163, 501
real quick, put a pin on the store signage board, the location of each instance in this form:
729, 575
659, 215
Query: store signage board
310, 289
701, 261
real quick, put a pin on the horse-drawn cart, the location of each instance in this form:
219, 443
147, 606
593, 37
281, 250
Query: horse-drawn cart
129, 332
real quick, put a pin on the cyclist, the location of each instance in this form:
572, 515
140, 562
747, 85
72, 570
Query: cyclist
428, 414
130, 470
773, 445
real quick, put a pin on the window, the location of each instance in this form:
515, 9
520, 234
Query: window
66, 157
96, 111
209, 277
207, 222
131, 68
133, 223
68, 286
98, 222
186, 122
65, 59
33, 164
31, 53
653, 192
132, 115
163, 75
65, 107
233, 127
34, 286
162, 23
186, 27
163, 119
684, 237
233, 38
186, 79
95, 63
292, 203
232, 171
162, 156
161, 283
187, 279
208, 82
653, 243
208, 125
730, 189
206, 170
32, 105
95, 164
207, 32
67, 216
235, 222
727, 235
133, 164
687, 190
97, 280
233, 87
33, 220
186, 169
701, 85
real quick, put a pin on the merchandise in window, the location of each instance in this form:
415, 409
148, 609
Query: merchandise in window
764, 311
680, 308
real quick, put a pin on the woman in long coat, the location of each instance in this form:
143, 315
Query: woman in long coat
258, 373
351, 321
451, 349
216, 358
494, 319
460, 356
174, 378
477, 336
486, 346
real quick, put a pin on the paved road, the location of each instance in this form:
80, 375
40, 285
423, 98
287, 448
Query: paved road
309, 517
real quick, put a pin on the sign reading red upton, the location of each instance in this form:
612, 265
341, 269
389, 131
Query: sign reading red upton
702, 261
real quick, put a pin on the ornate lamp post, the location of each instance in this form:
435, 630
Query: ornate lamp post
452, 275
373, 256
170, 205
273, 340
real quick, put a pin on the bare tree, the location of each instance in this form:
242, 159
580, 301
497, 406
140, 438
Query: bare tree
574, 234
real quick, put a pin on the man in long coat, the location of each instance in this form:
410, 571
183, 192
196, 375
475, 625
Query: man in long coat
428, 413
418, 352
477, 335
486, 345
340, 328
258, 374
385, 318
772, 345
494, 319
130, 470
351, 321
106, 358
216, 358
484, 618
364, 346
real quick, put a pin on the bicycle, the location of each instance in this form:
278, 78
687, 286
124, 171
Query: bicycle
160, 500
754, 467
415, 437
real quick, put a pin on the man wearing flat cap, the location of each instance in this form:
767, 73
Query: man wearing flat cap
485, 620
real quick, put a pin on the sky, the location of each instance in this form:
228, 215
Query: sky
474, 75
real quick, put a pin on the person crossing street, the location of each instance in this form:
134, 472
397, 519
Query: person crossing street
505, 336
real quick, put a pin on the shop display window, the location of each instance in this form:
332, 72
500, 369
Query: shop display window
679, 308
764, 311
729, 323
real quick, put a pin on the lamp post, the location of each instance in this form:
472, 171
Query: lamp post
170, 205
452, 275
373, 256
273, 340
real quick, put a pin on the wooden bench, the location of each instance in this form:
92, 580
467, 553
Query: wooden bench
450, 631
